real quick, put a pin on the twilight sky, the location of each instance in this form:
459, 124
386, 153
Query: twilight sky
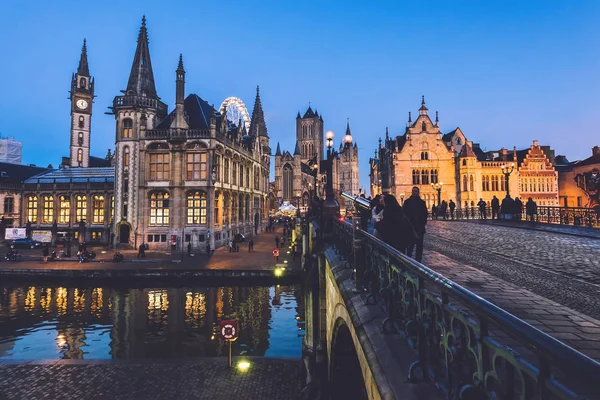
506, 72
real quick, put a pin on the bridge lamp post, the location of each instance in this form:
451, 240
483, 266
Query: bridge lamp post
330, 207
438, 187
507, 171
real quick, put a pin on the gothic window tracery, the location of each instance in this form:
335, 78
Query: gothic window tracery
64, 209
48, 209
98, 209
32, 205
80, 208
196, 208
159, 209
127, 128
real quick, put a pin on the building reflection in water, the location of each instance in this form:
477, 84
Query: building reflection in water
38, 322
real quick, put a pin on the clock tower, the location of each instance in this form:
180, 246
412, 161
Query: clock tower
82, 95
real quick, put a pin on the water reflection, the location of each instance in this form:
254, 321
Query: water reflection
51, 322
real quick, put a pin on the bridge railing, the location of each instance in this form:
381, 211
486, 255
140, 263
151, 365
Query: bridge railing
468, 346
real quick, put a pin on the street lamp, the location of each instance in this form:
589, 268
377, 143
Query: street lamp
507, 171
438, 187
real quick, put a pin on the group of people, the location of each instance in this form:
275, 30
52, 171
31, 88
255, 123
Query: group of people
442, 209
508, 206
402, 227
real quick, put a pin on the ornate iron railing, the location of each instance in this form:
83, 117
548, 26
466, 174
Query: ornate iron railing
470, 348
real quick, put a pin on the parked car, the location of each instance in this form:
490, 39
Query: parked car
26, 243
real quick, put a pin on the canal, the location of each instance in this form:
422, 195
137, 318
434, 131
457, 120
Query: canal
84, 322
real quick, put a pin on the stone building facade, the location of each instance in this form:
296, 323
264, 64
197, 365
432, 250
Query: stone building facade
423, 156
189, 177
579, 181
300, 174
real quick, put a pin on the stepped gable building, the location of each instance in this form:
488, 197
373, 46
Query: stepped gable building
188, 177
297, 173
423, 156
76, 199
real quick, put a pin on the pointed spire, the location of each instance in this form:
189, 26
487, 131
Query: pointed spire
141, 77
423, 109
278, 151
180, 65
83, 68
348, 126
387, 134
298, 116
409, 118
316, 113
258, 127
297, 149
437, 119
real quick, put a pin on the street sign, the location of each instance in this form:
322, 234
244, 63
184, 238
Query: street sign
276, 252
228, 330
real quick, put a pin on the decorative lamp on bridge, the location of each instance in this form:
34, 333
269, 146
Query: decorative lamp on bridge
438, 187
507, 170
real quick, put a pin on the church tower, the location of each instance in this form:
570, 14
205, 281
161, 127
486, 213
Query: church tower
349, 177
82, 96
309, 135
137, 109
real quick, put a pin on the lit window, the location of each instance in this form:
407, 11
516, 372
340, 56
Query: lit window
159, 166
32, 205
196, 208
64, 210
80, 208
98, 209
126, 157
48, 210
80, 155
159, 209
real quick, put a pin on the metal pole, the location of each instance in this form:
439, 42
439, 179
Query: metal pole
507, 175
230, 363
182, 241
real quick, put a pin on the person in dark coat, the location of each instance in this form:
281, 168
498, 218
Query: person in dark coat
482, 209
416, 211
393, 229
377, 214
452, 206
530, 209
518, 204
495, 207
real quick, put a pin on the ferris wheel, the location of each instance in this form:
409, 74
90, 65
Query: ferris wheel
235, 109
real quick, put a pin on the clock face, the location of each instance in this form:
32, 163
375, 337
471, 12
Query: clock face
82, 104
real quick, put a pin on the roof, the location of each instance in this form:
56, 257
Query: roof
197, 111
309, 113
141, 77
467, 151
17, 173
92, 174
99, 162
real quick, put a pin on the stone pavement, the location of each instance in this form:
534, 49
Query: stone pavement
206, 378
221, 259
549, 280
582, 231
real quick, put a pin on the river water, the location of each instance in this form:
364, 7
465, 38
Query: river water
67, 322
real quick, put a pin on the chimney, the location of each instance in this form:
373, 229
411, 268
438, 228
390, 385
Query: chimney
596, 151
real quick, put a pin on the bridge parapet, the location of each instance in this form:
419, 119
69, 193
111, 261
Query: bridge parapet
469, 347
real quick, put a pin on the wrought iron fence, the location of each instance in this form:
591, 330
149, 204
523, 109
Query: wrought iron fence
470, 348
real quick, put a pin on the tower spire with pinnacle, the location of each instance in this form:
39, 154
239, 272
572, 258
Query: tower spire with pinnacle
83, 68
258, 127
141, 77
423, 109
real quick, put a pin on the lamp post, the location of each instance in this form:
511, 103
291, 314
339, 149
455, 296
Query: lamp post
438, 187
506, 170
401, 199
330, 207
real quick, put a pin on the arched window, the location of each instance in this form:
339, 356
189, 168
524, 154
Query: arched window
416, 177
465, 187
64, 210
425, 177
48, 210
226, 208
423, 126
288, 182
81, 121
241, 175
226, 171
485, 183
80, 208
234, 206
127, 128
503, 183
80, 155
98, 209
218, 200
464, 163
126, 156
196, 208
82, 83
424, 155
471, 183
159, 209
80, 138
32, 205
434, 176
196, 166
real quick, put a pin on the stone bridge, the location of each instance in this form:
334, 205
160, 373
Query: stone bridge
382, 326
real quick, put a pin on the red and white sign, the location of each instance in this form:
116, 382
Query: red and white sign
276, 252
228, 330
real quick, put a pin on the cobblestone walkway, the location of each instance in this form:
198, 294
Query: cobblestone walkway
530, 274
199, 379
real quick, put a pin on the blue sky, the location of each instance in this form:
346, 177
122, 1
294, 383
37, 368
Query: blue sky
506, 72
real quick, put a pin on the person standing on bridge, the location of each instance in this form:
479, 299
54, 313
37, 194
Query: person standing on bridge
377, 214
452, 206
530, 209
495, 207
416, 211
482, 206
394, 225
